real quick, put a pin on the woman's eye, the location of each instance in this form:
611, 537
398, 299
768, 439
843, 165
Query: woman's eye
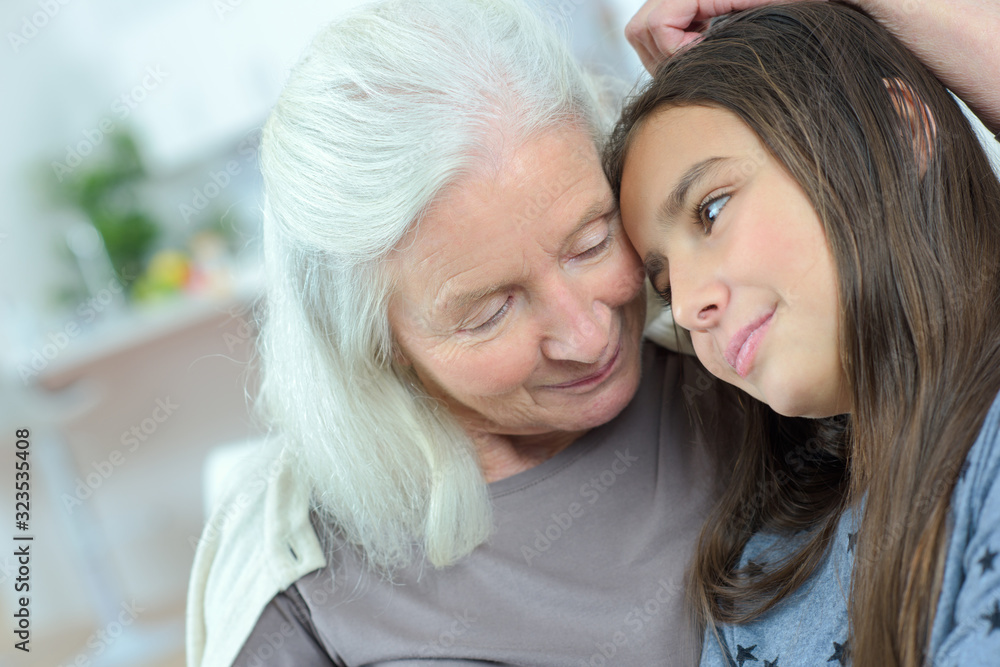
709, 210
596, 249
495, 320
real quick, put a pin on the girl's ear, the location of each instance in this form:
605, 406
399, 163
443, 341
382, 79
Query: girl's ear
917, 116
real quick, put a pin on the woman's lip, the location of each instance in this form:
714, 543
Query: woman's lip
594, 378
743, 345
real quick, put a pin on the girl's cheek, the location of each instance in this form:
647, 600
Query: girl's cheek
705, 349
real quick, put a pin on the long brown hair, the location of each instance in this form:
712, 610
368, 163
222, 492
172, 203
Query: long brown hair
909, 205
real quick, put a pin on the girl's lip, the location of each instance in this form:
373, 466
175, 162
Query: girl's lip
594, 378
743, 345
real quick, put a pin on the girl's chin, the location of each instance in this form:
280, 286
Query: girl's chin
803, 405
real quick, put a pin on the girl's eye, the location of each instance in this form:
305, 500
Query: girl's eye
495, 320
665, 295
597, 249
709, 210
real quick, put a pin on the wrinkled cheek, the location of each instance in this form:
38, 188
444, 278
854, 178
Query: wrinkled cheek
627, 282
470, 375
632, 272
632, 297
491, 381
635, 316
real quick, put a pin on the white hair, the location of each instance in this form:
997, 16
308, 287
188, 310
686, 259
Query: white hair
388, 106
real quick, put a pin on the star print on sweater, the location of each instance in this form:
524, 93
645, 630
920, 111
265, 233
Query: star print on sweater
993, 618
987, 560
809, 626
803, 628
745, 654
839, 653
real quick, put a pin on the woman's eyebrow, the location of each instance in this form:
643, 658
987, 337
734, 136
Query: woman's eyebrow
604, 206
674, 203
459, 301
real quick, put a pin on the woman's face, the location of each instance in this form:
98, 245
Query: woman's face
519, 300
733, 238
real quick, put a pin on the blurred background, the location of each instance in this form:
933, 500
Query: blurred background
129, 261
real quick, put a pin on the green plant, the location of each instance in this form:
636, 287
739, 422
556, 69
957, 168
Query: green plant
105, 190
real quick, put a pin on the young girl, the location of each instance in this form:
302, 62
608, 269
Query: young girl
824, 222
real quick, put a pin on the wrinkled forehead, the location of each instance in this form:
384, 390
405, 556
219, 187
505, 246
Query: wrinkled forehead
492, 225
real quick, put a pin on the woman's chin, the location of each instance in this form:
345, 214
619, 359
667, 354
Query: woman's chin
606, 402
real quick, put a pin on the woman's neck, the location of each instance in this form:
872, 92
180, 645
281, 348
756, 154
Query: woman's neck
503, 456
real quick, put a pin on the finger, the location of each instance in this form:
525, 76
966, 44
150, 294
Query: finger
648, 61
668, 39
690, 39
636, 24
669, 25
647, 52
637, 31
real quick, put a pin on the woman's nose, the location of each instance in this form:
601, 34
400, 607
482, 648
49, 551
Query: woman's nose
698, 297
578, 325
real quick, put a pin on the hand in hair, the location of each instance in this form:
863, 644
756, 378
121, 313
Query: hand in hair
954, 38
661, 27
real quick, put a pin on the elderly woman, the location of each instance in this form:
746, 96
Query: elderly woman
451, 345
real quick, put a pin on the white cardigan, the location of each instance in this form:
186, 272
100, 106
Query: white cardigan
257, 543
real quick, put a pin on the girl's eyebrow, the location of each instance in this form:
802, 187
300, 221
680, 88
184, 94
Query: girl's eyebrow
674, 203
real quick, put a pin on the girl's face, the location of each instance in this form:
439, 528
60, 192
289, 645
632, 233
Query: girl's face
732, 241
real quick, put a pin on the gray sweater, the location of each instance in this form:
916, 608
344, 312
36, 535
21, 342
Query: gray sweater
810, 627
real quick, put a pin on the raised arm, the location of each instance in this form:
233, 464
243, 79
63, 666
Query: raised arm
955, 38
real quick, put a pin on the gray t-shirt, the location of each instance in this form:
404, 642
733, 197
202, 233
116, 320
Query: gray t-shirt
586, 565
